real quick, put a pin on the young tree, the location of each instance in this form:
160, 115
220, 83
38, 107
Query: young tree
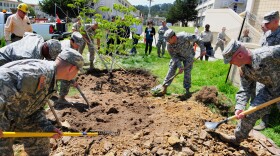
115, 30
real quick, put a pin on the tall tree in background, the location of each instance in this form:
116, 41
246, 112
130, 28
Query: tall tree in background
159, 9
183, 11
62, 10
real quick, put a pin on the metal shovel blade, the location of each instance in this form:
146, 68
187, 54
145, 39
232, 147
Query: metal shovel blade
157, 89
211, 125
214, 125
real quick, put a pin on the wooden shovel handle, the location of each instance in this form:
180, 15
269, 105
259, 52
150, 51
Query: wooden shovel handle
253, 109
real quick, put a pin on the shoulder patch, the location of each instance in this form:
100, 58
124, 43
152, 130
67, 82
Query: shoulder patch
33, 84
42, 83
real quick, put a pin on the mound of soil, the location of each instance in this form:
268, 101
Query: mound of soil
210, 95
148, 125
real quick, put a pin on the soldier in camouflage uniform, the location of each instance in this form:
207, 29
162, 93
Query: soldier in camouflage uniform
77, 25
260, 65
221, 40
75, 42
180, 48
270, 38
161, 44
88, 33
25, 87
31, 46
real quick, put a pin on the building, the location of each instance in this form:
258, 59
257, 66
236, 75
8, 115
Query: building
110, 4
237, 6
9, 5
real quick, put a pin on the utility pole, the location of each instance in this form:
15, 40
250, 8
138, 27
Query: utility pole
55, 9
149, 14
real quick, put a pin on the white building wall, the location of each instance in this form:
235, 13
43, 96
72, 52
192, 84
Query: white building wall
204, 5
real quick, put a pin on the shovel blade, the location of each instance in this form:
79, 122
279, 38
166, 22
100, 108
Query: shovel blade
157, 89
212, 125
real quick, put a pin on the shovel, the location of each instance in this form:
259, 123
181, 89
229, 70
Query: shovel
49, 134
214, 125
157, 89
80, 91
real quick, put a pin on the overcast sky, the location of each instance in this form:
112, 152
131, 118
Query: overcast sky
146, 2
133, 2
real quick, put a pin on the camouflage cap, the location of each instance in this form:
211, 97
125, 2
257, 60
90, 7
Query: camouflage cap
72, 56
270, 16
78, 38
231, 48
54, 48
168, 34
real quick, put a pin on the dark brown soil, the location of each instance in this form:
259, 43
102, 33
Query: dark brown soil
210, 95
148, 125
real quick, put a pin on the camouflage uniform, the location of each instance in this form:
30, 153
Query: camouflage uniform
26, 85
89, 32
65, 85
76, 26
29, 47
264, 69
161, 40
220, 38
182, 51
269, 39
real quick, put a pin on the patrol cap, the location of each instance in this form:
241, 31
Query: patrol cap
54, 48
168, 34
230, 49
78, 38
270, 16
72, 56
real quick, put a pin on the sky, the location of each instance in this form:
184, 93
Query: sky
133, 2
146, 2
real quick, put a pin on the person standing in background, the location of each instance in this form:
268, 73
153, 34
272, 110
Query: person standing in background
136, 31
77, 25
245, 37
17, 24
221, 40
150, 31
161, 44
207, 38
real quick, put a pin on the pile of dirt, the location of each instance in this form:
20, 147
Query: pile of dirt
210, 95
148, 125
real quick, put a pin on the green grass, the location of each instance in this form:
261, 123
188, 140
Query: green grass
273, 131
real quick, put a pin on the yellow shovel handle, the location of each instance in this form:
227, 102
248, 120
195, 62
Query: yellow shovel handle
44, 134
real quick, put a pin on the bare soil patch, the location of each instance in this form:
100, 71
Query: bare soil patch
148, 125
